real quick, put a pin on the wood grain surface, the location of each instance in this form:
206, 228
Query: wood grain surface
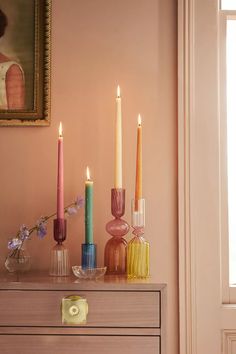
125, 316
51, 344
42, 281
107, 308
122, 331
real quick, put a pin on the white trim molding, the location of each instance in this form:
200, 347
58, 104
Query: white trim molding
187, 277
228, 341
203, 283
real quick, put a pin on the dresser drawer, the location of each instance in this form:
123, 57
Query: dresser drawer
105, 308
51, 344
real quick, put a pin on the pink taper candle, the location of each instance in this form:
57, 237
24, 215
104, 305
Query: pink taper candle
60, 177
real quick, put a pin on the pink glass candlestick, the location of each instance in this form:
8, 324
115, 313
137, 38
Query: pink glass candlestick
115, 249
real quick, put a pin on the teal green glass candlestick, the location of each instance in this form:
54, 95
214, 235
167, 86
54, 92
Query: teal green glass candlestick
88, 256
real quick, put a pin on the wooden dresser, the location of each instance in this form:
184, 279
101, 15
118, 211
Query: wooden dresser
124, 316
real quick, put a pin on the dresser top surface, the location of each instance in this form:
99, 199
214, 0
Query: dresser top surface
42, 281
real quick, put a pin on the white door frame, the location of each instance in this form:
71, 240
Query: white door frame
187, 303
207, 314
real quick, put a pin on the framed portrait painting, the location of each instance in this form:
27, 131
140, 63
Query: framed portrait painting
25, 62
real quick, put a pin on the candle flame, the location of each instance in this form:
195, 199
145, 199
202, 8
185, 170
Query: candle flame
88, 173
139, 120
60, 130
118, 91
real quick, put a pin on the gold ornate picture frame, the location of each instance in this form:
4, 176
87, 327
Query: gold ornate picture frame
25, 28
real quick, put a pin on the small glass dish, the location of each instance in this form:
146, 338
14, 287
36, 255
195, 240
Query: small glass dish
88, 273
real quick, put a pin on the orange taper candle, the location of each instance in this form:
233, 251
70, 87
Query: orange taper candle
138, 185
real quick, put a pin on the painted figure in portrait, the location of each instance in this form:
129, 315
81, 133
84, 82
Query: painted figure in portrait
17, 55
12, 82
25, 62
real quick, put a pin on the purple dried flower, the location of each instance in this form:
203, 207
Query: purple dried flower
14, 243
41, 228
79, 203
71, 210
24, 232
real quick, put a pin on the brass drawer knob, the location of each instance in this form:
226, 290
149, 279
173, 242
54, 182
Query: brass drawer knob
74, 310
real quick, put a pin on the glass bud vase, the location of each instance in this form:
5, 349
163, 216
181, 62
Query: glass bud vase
138, 247
18, 260
115, 257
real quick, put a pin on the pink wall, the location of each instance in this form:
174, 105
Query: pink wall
95, 46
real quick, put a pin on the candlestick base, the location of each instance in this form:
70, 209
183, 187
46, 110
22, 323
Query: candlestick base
89, 255
115, 256
60, 263
115, 249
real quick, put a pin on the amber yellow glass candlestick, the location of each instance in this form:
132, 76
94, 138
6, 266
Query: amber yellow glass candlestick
138, 247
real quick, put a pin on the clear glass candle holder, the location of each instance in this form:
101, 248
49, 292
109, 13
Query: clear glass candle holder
60, 264
115, 255
138, 248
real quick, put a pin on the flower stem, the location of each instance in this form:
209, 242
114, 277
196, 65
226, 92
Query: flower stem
45, 218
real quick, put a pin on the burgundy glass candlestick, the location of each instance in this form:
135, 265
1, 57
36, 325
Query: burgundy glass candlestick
60, 265
115, 249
